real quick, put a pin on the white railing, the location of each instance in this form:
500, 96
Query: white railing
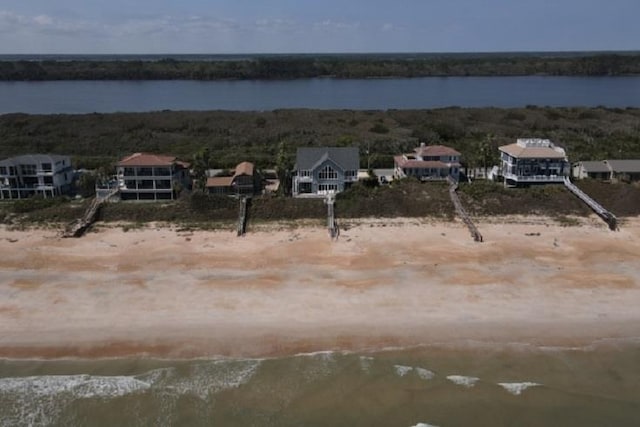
534, 178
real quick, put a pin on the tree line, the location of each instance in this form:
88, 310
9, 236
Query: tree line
222, 139
294, 67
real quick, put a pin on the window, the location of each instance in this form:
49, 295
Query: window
28, 169
350, 174
3, 170
327, 173
305, 173
46, 167
327, 187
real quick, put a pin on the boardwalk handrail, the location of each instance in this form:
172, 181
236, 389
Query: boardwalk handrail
79, 226
462, 213
332, 225
242, 217
606, 215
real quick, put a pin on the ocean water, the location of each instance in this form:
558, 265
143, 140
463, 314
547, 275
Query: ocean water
472, 385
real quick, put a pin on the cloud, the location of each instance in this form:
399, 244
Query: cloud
329, 25
42, 24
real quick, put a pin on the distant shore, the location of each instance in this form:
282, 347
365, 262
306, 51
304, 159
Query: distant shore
269, 67
159, 291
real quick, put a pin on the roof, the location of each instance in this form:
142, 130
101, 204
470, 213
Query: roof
244, 168
436, 150
628, 166
422, 164
534, 148
33, 159
347, 158
595, 166
150, 159
219, 181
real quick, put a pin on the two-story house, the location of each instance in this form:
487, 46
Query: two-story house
319, 170
144, 176
24, 176
245, 181
533, 161
428, 163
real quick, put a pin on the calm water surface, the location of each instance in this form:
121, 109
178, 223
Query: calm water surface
433, 92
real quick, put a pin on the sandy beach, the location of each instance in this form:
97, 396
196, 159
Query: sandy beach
281, 290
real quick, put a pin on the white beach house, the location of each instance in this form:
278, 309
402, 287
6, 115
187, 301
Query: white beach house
24, 176
533, 161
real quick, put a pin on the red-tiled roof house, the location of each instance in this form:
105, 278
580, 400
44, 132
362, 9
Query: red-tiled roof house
145, 176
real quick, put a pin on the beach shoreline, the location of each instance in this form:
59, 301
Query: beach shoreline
161, 291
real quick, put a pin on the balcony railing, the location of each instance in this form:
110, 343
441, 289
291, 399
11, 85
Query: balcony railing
534, 178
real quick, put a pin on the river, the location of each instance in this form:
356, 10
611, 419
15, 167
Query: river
77, 97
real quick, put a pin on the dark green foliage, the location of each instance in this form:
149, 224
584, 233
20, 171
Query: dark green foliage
98, 140
379, 128
36, 203
339, 66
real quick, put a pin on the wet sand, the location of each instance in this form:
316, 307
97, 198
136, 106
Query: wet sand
281, 290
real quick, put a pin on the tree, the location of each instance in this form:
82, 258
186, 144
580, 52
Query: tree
284, 165
201, 162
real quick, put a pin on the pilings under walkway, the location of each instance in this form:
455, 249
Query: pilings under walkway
607, 216
79, 226
462, 213
332, 225
242, 216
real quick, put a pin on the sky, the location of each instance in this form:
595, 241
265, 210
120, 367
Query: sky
315, 26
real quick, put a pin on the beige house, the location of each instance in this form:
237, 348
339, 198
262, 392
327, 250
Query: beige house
245, 181
606, 170
145, 176
428, 163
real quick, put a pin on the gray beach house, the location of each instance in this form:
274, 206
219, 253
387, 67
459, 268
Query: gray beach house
319, 170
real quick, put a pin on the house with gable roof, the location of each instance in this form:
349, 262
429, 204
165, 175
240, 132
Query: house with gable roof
319, 170
428, 163
245, 181
146, 176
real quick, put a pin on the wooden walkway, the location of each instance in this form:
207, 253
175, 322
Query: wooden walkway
607, 216
79, 226
462, 213
242, 217
332, 225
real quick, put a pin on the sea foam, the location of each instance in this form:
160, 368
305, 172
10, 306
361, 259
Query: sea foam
423, 373
517, 388
463, 380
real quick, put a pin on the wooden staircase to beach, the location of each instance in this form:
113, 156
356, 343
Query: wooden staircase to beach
332, 226
79, 226
460, 210
242, 217
606, 215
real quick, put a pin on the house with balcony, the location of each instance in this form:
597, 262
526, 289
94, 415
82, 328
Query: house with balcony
533, 161
428, 163
319, 170
245, 181
23, 176
145, 176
